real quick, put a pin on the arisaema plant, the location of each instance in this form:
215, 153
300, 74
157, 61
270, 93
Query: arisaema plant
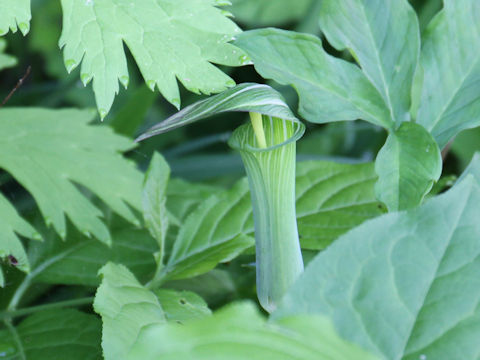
268, 149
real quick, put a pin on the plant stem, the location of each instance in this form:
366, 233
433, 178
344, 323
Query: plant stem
16, 338
257, 124
10, 314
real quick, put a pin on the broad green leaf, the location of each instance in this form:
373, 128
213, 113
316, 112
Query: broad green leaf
154, 202
181, 306
12, 224
54, 335
240, 332
332, 199
407, 166
126, 307
77, 260
261, 13
404, 285
168, 39
329, 89
211, 234
6, 61
50, 152
450, 56
384, 37
248, 97
14, 15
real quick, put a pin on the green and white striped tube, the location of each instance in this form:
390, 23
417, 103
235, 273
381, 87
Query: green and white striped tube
268, 149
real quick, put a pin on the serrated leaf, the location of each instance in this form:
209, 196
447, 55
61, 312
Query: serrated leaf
329, 89
259, 13
384, 38
49, 152
247, 97
181, 306
55, 335
154, 202
404, 285
241, 332
6, 61
126, 307
14, 15
12, 224
166, 38
450, 56
408, 165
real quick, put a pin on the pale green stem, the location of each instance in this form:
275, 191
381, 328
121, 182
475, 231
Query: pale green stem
271, 176
257, 124
10, 314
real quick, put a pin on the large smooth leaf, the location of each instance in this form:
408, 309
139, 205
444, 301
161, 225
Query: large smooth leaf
404, 285
450, 100
12, 224
50, 152
330, 89
384, 37
6, 61
247, 97
134, 328
126, 307
408, 165
14, 15
240, 332
55, 335
168, 39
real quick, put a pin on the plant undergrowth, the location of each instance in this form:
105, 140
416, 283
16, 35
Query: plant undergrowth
277, 179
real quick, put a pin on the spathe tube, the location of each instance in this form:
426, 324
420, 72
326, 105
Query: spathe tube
271, 176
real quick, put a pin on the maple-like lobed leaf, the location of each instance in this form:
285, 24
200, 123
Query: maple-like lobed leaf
169, 40
50, 152
15, 15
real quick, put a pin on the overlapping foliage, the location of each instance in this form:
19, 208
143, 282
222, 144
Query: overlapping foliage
104, 253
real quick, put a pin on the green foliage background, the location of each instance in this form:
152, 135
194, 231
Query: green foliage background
85, 211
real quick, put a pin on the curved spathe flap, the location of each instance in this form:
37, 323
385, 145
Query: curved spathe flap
248, 97
278, 132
